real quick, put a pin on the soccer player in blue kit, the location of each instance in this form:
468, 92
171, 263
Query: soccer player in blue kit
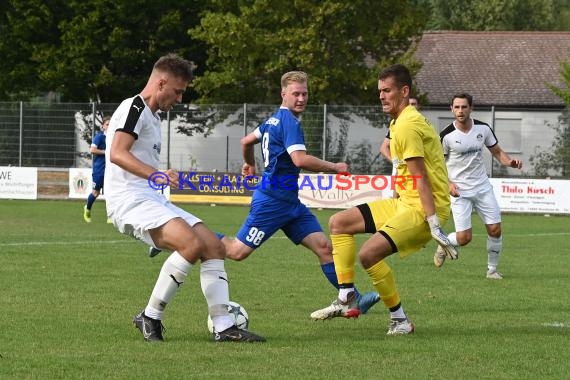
275, 203
97, 148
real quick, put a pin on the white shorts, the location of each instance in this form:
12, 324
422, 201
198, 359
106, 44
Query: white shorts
140, 213
484, 203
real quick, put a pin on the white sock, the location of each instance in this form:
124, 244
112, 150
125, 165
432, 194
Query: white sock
398, 314
215, 286
494, 248
172, 275
453, 239
343, 293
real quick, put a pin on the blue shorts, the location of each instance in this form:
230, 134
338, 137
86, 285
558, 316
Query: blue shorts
98, 182
267, 215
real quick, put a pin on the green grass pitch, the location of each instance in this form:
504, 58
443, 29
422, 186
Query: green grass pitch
69, 290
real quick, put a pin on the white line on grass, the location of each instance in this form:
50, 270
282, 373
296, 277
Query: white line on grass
537, 234
556, 324
100, 242
84, 242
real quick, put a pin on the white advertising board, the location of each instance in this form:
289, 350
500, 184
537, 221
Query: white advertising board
542, 196
532, 195
18, 183
325, 191
81, 184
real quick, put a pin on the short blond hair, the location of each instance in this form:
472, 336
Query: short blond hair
293, 76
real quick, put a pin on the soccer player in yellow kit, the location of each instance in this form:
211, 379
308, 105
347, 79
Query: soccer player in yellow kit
404, 224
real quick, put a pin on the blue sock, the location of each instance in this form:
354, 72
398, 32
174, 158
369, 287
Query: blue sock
219, 235
90, 200
330, 274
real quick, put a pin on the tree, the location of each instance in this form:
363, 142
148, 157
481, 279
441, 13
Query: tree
498, 15
556, 159
105, 58
96, 50
564, 92
28, 28
342, 45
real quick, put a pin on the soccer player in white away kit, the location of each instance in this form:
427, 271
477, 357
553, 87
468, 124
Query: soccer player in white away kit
470, 188
136, 209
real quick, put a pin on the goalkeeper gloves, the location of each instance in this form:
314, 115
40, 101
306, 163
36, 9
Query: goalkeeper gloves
441, 238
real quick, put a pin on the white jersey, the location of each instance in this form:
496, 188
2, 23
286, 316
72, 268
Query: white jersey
134, 117
464, 156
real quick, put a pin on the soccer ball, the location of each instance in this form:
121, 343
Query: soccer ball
237, 313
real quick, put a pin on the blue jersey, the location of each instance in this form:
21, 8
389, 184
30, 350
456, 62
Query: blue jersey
99, 159
280, 135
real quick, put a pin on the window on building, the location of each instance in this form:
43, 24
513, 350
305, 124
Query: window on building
509, 134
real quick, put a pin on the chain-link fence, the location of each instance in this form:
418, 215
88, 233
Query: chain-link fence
206, 137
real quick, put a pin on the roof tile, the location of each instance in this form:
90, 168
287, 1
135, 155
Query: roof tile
497, 68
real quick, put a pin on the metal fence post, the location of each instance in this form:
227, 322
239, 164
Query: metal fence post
324, 148
93, 110
21, 142
493, 129
93, 119
245, 119
168, 166
227, 153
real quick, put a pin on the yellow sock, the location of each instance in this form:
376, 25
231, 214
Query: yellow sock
384, 283
344, 252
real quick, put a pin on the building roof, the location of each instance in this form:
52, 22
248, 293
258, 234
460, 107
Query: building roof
497, 68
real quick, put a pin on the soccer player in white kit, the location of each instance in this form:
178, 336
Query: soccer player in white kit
463, 142
136, 209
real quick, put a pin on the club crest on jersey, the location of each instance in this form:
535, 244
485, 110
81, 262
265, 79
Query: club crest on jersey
156, 147
479, 137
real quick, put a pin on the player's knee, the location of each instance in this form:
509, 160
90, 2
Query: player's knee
236, 255
323, 249
215, 250
236, 250
368, 257
494, 231
464, 239
336, 225
193, 248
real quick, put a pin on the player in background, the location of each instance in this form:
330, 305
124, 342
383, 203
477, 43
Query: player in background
404, 224
463, 141
97, 149
134, 139
275, 203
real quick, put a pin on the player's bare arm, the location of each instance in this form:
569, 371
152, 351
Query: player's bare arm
504, 158
96, 151
305, 161
385, 149
247, 144
417, 168
121, 155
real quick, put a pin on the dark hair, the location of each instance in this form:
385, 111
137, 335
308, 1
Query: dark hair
400, 73
463, 95
175, 65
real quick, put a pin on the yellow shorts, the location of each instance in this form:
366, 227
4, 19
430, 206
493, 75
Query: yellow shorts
403, 224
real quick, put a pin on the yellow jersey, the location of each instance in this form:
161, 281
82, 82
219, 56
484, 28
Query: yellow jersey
412, 135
